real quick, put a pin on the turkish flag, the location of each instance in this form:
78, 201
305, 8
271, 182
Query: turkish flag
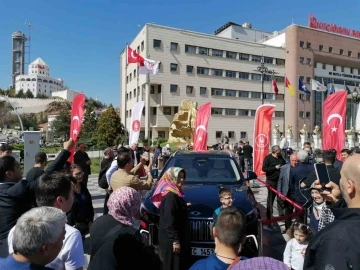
77, 115
201, 128
334, 119
40, 67
274, 85
134, 57
262, 133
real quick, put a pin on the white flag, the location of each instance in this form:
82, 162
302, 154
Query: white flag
149, 67
317, 86
136, 122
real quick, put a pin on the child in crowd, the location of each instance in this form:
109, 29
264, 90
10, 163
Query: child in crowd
226, 200
295, 249
318, 205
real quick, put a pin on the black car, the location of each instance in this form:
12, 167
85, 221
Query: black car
206, 173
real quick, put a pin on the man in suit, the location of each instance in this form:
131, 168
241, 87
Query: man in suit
283, 187
135, 153
82, 159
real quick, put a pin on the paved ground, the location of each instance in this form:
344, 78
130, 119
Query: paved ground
273, 243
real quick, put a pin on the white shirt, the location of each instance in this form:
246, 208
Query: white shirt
71, 255
284, 143
294, 254
113, 168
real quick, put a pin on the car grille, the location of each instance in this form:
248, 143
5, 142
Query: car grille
200, 230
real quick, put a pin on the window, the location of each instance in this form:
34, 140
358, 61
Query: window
256, 58
334, 68
174, 46
301, 44
255, 77
167, 110
301, 114
203, 51
243, 94
190, 49
138, 49
308, 61
173, 88
307, 115
231, 55
230, 93
127, 96
301, 60
244, 75
231, 134
349, 53
315, 65
252, 112
243, 112
218, 134
159, 89
342, 69
152, 89
176, 110
217, 111
142, 45
173, 67
202, 71
279, 97
308, 45
134, 73
244, 57
308, 79
280, 79
330, 49
280, 62
267, 96
323, 66
341, 52
230, 74
216, 92
218, 53
127, 79
308, 97
255, 95
202, 90
351, 70
157, 43
243, 135
189, 69
279, 114
189, 89
130, 77
154, 110
321, 47
358, 55
301, 96
230, 111
216, 72
268, 60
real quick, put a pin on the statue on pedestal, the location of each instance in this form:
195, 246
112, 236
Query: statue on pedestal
276, 129
303, 131
289, 131
350, 131
317, 131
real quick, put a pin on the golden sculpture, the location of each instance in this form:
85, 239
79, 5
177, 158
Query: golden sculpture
183, 124
317, 131
303, 131
276, 129
350, 131
289, 130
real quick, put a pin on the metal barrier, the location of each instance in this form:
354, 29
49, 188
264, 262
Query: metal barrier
265, 221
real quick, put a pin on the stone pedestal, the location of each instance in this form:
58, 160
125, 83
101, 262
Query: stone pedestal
302, 139
275, 139
289, 138
351, 140
316, 139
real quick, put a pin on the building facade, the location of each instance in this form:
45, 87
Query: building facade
38, 80
18, 55
66, 94
220, 68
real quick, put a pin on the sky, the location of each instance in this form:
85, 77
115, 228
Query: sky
81, 40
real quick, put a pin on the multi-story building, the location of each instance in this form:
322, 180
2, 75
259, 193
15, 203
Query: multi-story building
38, 80
18, 55
220, 68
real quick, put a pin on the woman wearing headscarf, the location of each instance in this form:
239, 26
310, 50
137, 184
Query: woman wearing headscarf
169, 198
124, 213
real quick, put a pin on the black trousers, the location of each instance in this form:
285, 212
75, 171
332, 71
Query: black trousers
242, 163
107, 196
85, 178
270, 202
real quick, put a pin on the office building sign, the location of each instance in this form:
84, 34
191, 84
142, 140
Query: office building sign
332, 28
344, 75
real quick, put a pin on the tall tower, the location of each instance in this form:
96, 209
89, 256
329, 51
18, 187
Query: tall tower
18, 55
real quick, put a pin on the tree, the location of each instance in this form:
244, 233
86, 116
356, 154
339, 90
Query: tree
61, 124
28, 94
88, 131
95, 104
29, 120
11, 92
42, 118
20, 94
110, 129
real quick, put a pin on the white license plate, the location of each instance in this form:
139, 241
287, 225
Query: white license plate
201, 251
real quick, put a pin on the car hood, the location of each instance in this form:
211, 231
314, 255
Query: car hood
204, 199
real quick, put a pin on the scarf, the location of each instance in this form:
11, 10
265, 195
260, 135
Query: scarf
317, 208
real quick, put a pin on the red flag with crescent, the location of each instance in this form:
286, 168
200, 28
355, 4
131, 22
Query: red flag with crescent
334, 120
201, 127
262, 133
77, 115
134, 57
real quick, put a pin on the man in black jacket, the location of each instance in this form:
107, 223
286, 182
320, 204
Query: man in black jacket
338, 245
104, 166
271, 167
82, 159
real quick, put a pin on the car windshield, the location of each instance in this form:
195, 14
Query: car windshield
207, 169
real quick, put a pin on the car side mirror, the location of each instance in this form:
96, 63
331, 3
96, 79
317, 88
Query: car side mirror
251, 176
154, 173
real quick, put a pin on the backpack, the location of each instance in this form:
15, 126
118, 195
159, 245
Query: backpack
102, 181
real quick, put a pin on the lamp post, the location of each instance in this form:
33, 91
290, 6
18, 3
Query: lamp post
16, 112
264, 71
356, 100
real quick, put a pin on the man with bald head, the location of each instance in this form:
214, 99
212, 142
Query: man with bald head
283, 187
337, 246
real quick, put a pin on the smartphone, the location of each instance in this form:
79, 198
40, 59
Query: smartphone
322, 174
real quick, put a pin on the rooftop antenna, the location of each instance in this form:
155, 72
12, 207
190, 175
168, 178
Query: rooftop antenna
29, 40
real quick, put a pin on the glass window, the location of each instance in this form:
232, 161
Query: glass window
230, 93
202, 90
307, 115
334, 68
252, 112
342, 69
230, 111
255, 77
189, 89
280, 62
218, 134
189, 69
321, 47
308, 61
330, 49
216, 92
279, 97
308, 79
358, 55
243, 134
176, 110
217, 111
203, 71
173, 67
218, 53
323, 66
256, 58
231, 134
157, 43
217, 72
301, 44
152, 89
243, 112
341, 51
243, 94
231, 55
279, 114
349, 53
230, 74
268, 60
173, 88
308, 45
142, 45
203, 51
255, 95
190, 49
167, 110
243, 56
280, 79
174, 46
161, 134
244, 75
301, 60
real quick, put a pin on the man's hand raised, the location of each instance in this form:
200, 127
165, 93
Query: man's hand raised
68, 145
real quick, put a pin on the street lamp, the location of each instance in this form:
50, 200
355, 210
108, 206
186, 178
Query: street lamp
355, 99
264, 71
16, 112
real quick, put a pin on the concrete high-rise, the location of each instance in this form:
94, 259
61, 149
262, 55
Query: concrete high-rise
18, 55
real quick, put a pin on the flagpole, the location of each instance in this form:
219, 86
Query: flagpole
148, 103
284, 106
125, 120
